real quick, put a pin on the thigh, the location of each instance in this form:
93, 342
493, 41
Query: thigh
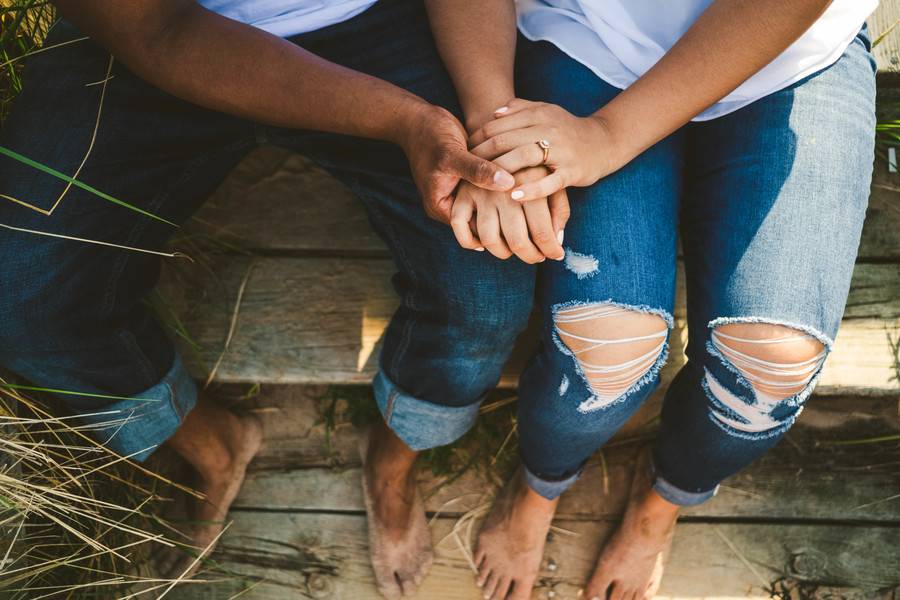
620, 241
73, 307
775, 201
460, 310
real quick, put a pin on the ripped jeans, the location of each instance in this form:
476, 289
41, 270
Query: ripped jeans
770, 202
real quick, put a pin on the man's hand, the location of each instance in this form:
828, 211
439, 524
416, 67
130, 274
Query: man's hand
531, 230
435, 144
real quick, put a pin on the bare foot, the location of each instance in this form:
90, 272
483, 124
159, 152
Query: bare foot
399, 537
219, 445
511, 542
631, 565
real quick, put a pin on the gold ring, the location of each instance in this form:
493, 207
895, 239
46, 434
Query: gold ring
545, 146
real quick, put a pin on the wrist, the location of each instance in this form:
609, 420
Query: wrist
481, 112
411, 121
615, 141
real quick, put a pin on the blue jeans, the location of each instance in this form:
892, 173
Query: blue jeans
72, 313
770, 202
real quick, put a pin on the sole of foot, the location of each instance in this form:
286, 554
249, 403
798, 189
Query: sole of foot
511, 543
400, 544
631, 565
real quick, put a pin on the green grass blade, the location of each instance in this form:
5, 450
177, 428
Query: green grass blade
29, 388
75, 182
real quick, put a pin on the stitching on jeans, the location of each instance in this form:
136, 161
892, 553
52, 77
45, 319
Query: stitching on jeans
389, 410
410, 299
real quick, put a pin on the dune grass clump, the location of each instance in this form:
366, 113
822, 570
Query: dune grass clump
76, 520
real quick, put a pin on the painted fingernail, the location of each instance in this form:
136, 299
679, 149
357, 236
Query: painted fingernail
518, 194
503, 178
479, 249
560, 236
542, 260
501, 110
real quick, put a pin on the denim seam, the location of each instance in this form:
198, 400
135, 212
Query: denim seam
121, 261
389, 409
400, 256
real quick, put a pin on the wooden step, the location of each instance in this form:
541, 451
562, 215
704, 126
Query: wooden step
320, 320
277, 201
811, 512
815, 475
887, 53
294, 554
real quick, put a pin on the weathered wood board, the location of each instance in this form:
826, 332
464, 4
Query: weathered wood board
887, 53
805, 477
320, 320
297, 554
277, 201
825, 515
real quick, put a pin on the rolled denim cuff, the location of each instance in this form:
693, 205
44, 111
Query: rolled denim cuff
675, 494
549, 489
137, 426
419, 423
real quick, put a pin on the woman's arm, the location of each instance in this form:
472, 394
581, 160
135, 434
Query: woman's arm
477, 42
731, 41
215, 62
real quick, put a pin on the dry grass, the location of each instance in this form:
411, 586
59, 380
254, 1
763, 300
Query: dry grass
76, 520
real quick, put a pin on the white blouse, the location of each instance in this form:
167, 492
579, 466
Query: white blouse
285, 18
620, 40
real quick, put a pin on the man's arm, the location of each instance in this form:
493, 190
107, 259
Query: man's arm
222, 64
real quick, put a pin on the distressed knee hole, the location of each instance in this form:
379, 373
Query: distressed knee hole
614, 346
776, 360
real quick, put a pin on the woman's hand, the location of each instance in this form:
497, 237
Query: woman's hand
533, 230
582, 149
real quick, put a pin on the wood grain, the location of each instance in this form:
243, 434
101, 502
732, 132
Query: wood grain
276, 201
320, 320
887, 53
325, 556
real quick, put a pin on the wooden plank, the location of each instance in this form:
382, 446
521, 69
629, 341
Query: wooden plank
278, 201
806, 477
320, 320
325, 556
887, 53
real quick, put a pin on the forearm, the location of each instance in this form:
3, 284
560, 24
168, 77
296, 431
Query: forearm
228, 66
477, 42
728, 44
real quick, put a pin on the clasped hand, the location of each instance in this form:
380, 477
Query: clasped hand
529, 220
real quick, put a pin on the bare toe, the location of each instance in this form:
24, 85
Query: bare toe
511, 542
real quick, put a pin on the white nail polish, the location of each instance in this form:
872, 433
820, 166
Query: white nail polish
501, 110
560, 236
479, 249
518, 194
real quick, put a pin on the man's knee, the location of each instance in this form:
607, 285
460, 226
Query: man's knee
775, 366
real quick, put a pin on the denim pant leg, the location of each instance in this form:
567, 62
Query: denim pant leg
460, 311
775, 199
620, 247
72, 312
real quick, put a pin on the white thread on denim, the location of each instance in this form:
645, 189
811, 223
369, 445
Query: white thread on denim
583, 265
607, 381
773, 383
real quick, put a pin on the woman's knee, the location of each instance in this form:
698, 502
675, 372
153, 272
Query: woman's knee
774, 367
615, 348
